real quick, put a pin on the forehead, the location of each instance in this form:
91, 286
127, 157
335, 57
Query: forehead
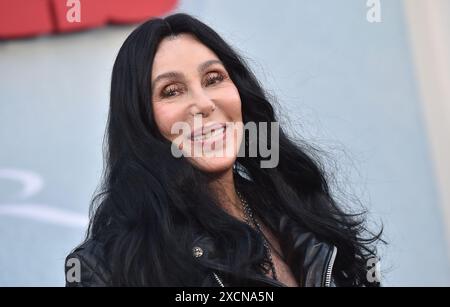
180, 52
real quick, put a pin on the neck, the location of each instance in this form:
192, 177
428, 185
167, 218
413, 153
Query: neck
224, 185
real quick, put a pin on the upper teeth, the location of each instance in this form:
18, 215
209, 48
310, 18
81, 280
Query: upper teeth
209, 134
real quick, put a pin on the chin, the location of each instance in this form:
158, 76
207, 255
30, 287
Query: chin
213, 164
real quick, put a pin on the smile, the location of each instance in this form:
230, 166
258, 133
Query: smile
210, 136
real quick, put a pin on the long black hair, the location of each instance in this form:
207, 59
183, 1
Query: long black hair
151, 205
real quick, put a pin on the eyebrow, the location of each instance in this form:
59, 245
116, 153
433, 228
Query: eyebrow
205, 65
178, 75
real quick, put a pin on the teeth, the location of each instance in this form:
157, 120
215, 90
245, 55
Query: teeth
218, 131
209, 134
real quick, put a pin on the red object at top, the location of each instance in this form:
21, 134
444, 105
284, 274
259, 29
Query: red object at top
25, 18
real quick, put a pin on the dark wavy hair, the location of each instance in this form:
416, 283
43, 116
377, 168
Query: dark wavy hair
150, 205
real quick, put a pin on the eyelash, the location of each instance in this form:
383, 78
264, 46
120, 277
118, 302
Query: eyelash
171, 90
217, 77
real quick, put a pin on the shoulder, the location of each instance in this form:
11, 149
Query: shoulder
85, 266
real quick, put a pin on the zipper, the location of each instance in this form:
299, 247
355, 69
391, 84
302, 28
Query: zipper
218, 280
219, 267
329, 271
273, 283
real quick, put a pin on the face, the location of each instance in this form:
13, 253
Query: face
195, 104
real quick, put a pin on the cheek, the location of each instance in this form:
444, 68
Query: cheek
165, 117
231, 103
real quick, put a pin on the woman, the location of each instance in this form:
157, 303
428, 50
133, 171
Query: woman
172, 212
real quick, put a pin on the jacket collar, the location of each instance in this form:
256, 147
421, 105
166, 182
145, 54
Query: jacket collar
311, 262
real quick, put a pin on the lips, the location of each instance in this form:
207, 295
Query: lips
208, 131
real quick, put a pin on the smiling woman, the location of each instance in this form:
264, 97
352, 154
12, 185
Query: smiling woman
190, 80
207, 220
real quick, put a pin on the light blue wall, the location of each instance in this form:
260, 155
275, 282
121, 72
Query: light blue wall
348, 85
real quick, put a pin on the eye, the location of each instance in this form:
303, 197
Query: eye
213, 78
171, 91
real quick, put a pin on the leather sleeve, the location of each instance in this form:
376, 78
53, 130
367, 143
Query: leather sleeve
85, 267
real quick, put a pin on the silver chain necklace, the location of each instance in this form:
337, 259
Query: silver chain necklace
250, 219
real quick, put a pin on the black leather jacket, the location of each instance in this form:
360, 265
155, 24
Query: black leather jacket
317, 265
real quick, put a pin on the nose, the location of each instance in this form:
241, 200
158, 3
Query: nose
201, 103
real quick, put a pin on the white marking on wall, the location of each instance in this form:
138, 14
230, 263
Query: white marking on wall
32, 184
45, 214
